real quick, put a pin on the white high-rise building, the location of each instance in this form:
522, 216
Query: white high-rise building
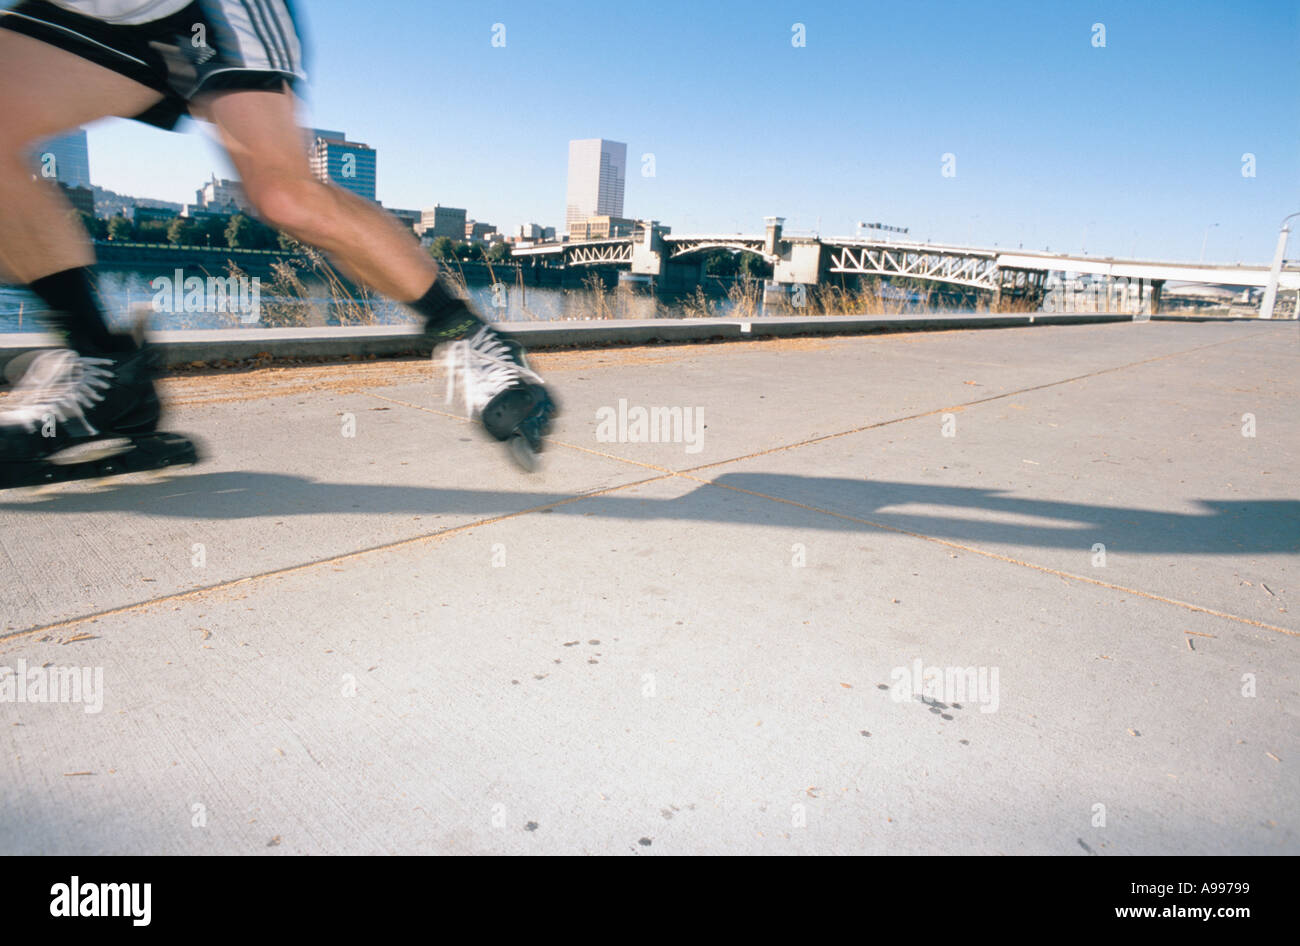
66, 159
597, 172
221, 196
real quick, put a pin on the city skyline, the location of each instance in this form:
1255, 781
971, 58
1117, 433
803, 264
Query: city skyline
1131, 148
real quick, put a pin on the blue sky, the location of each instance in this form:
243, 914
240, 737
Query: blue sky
1135, 147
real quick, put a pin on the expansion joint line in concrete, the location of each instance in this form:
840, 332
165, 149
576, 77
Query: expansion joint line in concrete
688, 474
663, 473
965, 404
191, 593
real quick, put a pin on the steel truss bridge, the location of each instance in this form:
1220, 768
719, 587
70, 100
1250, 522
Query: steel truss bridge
1006, 274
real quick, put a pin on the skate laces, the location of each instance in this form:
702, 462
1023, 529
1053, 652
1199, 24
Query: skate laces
482, 366
60, 384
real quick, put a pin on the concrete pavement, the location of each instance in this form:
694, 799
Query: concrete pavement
1031, 590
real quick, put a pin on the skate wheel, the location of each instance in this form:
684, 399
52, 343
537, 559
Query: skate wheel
522, 453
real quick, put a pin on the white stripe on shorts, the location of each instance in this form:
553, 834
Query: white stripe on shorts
263, 33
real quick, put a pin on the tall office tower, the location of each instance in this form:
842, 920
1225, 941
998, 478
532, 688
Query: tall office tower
349, 164
65, 159
597, 172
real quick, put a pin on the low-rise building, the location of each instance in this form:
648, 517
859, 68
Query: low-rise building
221, 196
440, 221
601, 227
195, 212
409, 218
153, 215
535, 233
478, 232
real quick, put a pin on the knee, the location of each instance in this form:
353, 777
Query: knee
288, 203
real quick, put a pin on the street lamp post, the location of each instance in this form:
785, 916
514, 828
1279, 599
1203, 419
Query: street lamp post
1205, 238
1275, 272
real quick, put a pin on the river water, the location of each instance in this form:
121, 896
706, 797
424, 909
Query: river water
124, 291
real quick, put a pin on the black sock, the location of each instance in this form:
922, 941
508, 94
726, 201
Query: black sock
70, 296
446, 317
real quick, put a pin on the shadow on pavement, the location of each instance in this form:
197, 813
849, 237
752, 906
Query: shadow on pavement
1232, 527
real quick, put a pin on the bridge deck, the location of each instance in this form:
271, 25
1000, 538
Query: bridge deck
957, 258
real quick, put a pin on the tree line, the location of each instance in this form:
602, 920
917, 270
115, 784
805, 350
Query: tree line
242, 232
238, 232
448, 250
723, 262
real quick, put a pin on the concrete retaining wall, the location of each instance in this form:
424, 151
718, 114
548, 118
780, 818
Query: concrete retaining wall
337, 342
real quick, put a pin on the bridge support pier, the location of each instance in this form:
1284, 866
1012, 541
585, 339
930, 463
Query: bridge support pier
1018, 288
648, 250
799, 263
772, 235
775, 296
781, 298
1148, 303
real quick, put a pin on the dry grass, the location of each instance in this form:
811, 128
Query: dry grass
288, 301
746, 298
698, 305
831, 299
872, 299
598, 299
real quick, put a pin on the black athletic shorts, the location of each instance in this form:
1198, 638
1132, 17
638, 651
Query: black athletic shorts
180, 48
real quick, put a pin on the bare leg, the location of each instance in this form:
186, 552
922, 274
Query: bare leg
45, 91
261, 134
